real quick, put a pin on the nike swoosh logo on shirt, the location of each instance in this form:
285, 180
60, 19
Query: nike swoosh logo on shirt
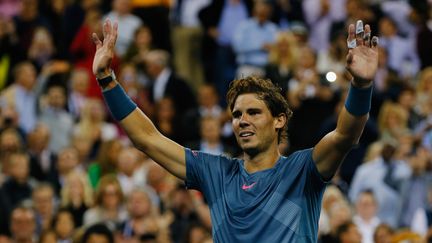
247, 187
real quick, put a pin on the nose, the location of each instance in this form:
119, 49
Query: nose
244, 120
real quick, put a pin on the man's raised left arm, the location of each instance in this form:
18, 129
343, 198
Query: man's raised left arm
362, 63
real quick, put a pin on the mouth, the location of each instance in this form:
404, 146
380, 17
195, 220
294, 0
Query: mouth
246, 134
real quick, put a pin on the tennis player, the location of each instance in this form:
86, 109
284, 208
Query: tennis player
262, 197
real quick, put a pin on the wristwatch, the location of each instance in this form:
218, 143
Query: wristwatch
106, 80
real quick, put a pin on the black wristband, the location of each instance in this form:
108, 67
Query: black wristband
103, 82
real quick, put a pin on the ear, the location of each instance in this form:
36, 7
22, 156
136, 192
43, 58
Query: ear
280, 121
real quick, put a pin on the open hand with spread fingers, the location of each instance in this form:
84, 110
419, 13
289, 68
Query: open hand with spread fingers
104, 49
362, 58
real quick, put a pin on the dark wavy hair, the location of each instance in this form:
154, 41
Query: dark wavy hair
266, 91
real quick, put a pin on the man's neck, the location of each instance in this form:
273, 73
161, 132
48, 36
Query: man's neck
261, 161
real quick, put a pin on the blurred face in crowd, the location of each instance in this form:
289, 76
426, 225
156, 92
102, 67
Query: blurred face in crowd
80, 81
67, 160
352, 235
97, 238
9, 141
57, 97
38, 139
387, 27
207, 96
111, 196
43, 200
127, 161
121, 6
65, 225
383, 234
26, 76
19, 167
366, 206
23, 224
262, 11
143, 37
166, 110
139, 204
210, 129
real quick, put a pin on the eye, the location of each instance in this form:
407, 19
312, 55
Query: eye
254, 112
236, 114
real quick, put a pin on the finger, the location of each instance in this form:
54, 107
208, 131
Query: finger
359, 32
367, 36
349, 57
106, 29
375, 42
96, 40
351, 41
115, 33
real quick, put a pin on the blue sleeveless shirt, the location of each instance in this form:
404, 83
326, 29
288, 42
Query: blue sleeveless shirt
280, 204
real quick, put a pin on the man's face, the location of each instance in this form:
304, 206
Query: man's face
23, 224
254, 126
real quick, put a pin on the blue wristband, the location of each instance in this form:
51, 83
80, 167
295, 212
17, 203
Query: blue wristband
118, 102
358, 101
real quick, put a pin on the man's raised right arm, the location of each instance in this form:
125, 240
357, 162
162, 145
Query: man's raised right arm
137, 125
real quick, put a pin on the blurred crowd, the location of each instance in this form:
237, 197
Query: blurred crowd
68, 173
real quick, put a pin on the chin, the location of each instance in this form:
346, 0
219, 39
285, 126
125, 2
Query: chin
250, 150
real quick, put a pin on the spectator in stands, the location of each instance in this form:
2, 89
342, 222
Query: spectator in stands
187, 38
340, 213
349, 233
211, 138
98, 233
57, 118
384, 175
79, 82
105, 162
253, 39
166, 83
424, 92
166, 119
10, 142
74, 18
42, 49
319, 16
44, 203
414, 189
81, 50
220, 19
392, 121
208, 105
92, 124
26, 23
402, 57
108, 206
42, 159
127, 22
282, 58
383, 234
21, 95
67, 161
311, 98
424, 37
128, 162
63, 225
366, 218
156, 15
23, 225
76, 196
143, 218
18, 186
184, 212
